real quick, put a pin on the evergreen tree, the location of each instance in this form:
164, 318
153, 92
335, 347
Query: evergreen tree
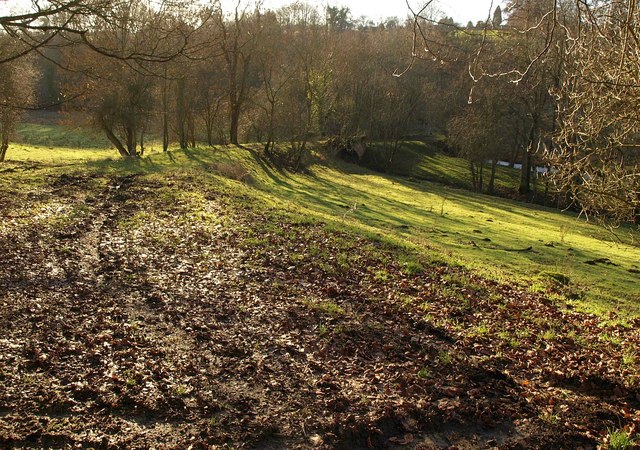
497, 17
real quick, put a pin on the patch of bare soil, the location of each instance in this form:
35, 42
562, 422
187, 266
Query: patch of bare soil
167, 314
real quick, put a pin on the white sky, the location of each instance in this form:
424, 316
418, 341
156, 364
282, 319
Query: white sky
461, 10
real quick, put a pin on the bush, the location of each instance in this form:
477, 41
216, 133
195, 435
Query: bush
350, 149
233, 170
292, 157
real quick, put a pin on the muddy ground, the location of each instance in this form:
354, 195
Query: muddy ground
167, 312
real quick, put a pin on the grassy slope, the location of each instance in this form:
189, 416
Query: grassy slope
423, 161
193, 299
479, 231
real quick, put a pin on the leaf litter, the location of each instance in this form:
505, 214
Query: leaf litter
144, 312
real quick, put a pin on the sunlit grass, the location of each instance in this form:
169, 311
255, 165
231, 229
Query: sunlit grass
63, 144
423, 162
58, 155
506, 240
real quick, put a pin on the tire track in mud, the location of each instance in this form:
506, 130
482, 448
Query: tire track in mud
106, 207
63, 328
145, 317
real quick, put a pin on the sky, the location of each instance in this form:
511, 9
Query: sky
461, 10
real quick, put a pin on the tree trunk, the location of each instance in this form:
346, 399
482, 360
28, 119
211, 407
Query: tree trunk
115, 141
142, 142
474, 180
3, 148
234, 102
546, 188
182, 137
209, 127
235, 123
192, 131
492, 179
267, 147
300, 152
525, 176
165, 114
131, 141
165, 133
181, 114
394, 150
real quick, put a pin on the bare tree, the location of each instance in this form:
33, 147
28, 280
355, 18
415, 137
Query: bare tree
83, 21
119, 91
597, 156
17, 92
480, 134
238, 41
123, 111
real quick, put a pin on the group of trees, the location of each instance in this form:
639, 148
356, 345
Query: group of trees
42, 51
562, 76
539, 82
201, 74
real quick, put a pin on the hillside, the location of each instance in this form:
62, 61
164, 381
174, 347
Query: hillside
204, 297
425, 160
504, 239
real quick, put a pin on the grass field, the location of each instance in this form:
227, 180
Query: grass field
204, 298
508, 240
64, 144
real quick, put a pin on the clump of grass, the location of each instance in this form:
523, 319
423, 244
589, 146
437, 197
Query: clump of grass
610, 338
445, 357
406, 300
619, 440
412, 267
381, 275
577, 338
181, 389
481, 330
537, 287
549, 335
629, 358
523, 333
548, 417
559, 278
329, 308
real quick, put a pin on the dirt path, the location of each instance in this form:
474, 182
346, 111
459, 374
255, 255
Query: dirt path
147, 312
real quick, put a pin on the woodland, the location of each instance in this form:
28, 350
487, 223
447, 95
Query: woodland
294, 228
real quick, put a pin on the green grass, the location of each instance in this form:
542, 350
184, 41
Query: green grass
423, 161
63, 144
620, 440
482, 232
65, 136
327, 307
506, 240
